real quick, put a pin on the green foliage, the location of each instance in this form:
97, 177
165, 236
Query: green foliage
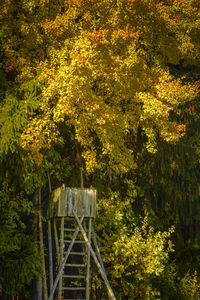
172, 286
139, 256
133, 254
190, 286
116, 86
15, 110
20, 259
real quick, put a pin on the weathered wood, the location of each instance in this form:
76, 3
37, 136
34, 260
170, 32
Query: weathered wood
83, 200
50, 256
81, 175
56, 240
88, 262
110, 291
98, 253
45, 293
61, 255
50, 242
59, 275
97, 249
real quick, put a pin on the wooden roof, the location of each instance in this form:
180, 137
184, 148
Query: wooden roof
62, 199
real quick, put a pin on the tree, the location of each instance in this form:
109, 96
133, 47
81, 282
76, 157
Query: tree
102, 86
107, 75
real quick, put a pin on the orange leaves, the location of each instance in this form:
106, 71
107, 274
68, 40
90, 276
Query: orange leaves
127, 32
47, 26
95, 35
181, 129
82, 60
87, 17
9, 68
56, 26
75, 2
37, 157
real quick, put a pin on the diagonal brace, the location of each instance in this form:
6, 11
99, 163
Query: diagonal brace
64, 261
110, 291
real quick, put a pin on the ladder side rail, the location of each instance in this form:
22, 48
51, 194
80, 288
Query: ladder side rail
110, 291
64, 261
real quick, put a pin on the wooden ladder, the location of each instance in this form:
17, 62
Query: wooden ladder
74, 282
64, 263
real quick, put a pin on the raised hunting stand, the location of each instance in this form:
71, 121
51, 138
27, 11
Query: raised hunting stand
71, 210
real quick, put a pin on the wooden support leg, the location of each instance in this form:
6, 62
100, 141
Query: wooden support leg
50, 256
45, 292
88, 262
61, 255
56, 241
98, 252
110, 291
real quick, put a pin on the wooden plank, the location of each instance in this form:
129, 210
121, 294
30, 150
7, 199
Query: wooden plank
56, 240
55, 201
62, 199
62, 204
70, 202
75, 288
82, 209
75, 265
85, 200
74, 276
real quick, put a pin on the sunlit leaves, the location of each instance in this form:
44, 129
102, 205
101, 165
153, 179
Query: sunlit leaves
106, 72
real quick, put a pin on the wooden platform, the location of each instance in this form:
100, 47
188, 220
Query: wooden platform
62, 199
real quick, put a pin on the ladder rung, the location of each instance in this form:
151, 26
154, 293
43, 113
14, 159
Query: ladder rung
75, 265
73, 276
75, 253
77, 242
69, 229
73, 288
72, 229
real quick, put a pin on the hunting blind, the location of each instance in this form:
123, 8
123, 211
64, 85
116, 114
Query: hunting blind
70, 213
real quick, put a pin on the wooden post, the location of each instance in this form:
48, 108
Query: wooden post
42, 248
88, 262
110, 291
50, 256
61, 255
50, 242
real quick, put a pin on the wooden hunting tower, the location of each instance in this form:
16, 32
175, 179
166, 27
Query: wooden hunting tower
70, 213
